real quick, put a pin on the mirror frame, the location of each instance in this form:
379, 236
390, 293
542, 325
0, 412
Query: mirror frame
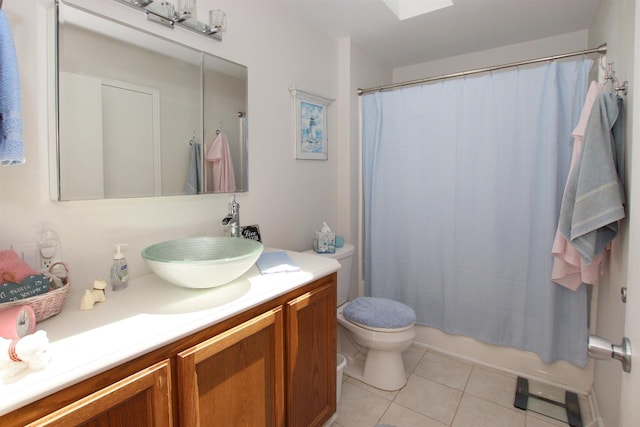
53, 82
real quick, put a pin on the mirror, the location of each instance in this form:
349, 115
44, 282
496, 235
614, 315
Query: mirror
141, 116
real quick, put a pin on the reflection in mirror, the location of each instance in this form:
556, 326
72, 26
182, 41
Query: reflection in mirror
143, 116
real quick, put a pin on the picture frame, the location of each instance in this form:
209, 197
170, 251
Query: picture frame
311, 128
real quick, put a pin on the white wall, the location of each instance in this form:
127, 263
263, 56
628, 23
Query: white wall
356, 70
570, 42
288, 198
614, 24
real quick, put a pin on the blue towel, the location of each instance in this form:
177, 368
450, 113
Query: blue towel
11, 142
276, 262
593, 201
193, 185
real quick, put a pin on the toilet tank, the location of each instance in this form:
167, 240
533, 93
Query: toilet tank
343, 255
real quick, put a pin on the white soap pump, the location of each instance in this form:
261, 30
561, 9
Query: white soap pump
119, 276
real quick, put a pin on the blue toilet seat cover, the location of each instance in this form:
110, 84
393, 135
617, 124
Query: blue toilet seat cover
379, 313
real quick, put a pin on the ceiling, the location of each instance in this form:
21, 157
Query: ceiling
467, 26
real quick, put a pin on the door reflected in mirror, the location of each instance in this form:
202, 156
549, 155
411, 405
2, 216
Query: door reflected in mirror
142, 116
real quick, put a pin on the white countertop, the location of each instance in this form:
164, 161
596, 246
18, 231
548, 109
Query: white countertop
149, 314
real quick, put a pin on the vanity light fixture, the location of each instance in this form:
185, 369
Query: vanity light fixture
166, 13
141, 3
218, 19
186, 9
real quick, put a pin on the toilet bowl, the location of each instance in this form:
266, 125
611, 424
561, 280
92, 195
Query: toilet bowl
381, 347
373, 333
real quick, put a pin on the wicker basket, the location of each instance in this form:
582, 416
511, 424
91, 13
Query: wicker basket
45, 305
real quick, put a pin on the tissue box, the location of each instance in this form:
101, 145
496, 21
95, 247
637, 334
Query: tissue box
324, 243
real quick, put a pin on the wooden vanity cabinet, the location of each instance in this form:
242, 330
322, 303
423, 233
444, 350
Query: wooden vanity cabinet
238, 377
271, 365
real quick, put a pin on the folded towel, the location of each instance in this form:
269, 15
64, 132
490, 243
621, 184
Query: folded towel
276, 262
193, 185
13, 268
593, 201
11, 141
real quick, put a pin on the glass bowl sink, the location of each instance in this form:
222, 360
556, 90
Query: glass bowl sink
202, 262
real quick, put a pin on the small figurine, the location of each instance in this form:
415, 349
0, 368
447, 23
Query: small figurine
92, 296
29, 352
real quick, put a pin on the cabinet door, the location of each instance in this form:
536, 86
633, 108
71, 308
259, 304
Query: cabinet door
311, 357
142, 399
236, 377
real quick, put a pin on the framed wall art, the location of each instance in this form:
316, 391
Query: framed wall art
310, 115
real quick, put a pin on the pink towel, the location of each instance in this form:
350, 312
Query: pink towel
569, 269
13, 268
223, 174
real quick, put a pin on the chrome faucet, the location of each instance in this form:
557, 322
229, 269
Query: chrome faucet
232, 220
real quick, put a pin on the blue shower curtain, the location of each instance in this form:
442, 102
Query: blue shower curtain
463, 181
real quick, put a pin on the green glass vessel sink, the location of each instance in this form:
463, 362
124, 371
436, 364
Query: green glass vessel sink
202, 262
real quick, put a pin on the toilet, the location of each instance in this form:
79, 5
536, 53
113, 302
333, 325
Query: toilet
373, 332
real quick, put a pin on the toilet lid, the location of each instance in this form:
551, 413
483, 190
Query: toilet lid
379, 313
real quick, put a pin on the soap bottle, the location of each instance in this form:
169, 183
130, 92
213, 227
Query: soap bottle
119, 270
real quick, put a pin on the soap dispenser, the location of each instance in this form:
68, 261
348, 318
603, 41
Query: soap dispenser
119, 276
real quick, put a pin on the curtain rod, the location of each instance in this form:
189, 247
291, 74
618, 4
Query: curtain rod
602, 49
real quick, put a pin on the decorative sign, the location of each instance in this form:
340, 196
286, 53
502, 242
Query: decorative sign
30, 287
251, 232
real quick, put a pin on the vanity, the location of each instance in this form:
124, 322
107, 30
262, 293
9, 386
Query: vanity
258, 351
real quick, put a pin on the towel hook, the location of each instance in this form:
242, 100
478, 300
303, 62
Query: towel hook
623, 88
219, 129
610, 75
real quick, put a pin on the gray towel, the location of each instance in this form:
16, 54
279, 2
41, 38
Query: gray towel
593, 201
193, 184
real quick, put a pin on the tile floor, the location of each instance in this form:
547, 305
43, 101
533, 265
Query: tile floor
441, 391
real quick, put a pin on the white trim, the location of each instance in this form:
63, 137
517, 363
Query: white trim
507, 359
